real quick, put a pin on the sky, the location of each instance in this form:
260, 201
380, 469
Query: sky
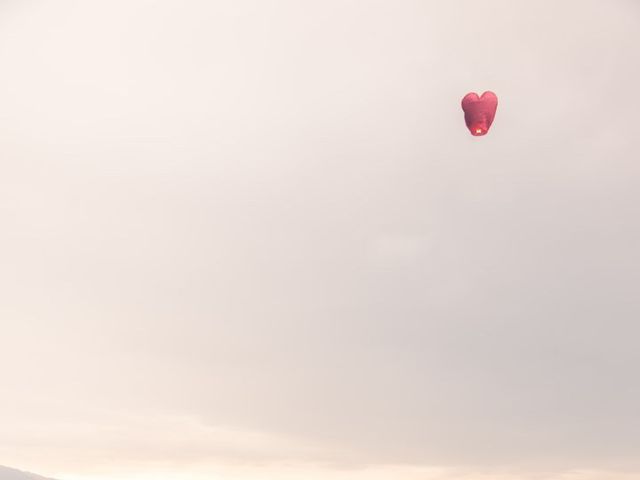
253, 240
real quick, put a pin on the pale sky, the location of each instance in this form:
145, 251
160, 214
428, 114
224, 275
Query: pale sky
253, 240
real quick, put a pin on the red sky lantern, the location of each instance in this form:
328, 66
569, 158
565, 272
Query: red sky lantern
479, 112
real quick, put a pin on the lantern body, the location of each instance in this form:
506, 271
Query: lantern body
479, 112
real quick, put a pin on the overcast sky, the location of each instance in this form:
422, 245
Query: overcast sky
252, 239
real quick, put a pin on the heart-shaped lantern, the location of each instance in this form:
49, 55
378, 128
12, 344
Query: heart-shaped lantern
479, 112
